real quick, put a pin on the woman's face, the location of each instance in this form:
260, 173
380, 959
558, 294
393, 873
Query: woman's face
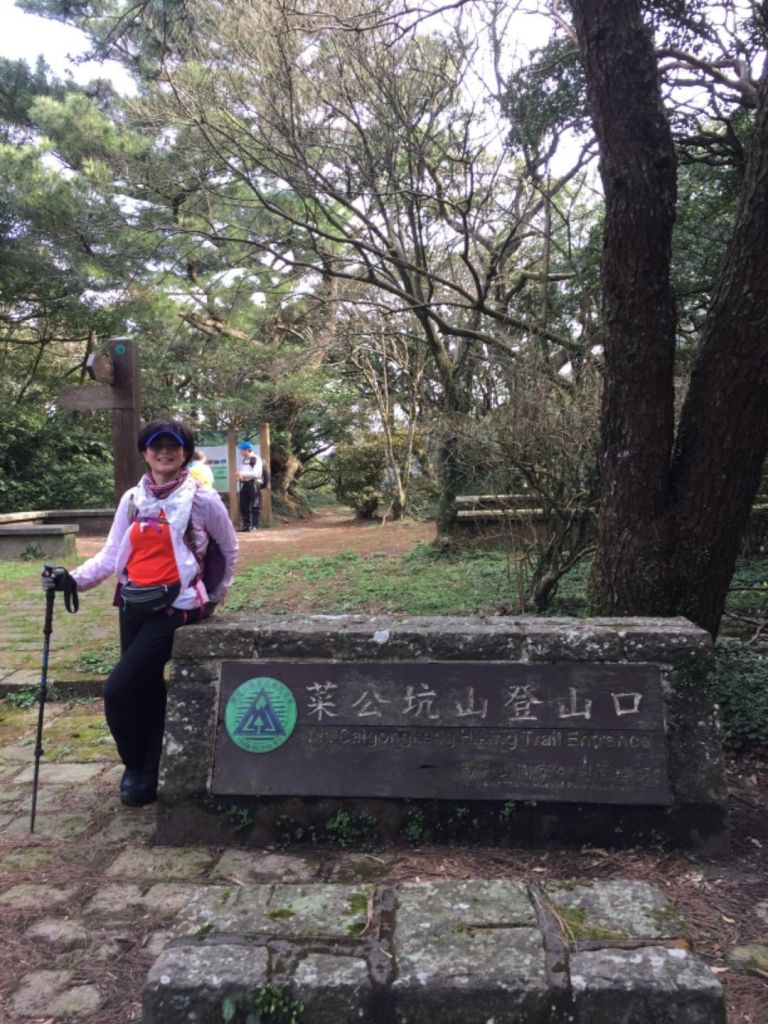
165, 458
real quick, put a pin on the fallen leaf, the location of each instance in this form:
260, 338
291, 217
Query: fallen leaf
718, 970
756, 842
728, 920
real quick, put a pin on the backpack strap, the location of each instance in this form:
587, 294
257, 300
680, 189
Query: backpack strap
197, 583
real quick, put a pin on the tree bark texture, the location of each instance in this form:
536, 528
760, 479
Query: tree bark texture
723, 435
638, 170
671, 516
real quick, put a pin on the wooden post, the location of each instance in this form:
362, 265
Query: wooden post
266, 493
234, 506
118, 391
125, 416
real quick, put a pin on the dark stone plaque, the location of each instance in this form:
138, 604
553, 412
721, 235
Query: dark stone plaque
474, 731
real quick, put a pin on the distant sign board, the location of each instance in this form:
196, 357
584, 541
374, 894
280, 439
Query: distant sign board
216, 452
446, 730
218, 460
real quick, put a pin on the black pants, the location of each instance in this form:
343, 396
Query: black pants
134, 693
250, 506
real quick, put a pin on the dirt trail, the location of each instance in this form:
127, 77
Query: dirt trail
330, 531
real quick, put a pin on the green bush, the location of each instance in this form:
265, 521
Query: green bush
362, 479
49, 462
741, 690
358, 475
748, 595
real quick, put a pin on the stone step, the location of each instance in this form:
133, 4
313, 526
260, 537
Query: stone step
453, 952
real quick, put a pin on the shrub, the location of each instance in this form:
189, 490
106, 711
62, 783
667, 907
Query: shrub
359, 469
49, 462
741, 690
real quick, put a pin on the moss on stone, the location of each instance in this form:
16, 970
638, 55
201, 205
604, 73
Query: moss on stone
574, 925
283, 914
569, 884
79, 739
668, 917
357, 906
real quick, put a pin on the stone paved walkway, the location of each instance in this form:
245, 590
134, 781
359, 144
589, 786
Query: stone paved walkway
471, 951
88, 904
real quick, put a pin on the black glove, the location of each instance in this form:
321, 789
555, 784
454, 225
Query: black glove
56, 577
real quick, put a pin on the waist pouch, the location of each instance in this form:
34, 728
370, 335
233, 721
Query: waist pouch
150, 599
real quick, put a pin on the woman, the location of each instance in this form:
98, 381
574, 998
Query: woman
155, 547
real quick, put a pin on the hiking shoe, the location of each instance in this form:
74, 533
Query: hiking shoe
138, 788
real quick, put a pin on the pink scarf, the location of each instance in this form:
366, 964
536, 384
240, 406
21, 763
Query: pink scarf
196, 536
161, 491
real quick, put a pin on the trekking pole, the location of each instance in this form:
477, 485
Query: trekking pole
50, 597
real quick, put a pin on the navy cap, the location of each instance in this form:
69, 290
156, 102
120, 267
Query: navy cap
164, 433
245, 446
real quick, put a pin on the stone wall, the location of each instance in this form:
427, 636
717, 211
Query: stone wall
188, 810
91, 522
38, 542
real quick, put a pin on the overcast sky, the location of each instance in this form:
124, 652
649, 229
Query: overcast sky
27, 36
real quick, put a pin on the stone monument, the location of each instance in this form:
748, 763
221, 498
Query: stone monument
594, 730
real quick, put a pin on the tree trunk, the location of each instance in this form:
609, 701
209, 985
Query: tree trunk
449, 469
638, 169
448, 483
284, 468
670, 521
723, 435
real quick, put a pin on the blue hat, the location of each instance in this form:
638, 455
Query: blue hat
164, 433
245, 446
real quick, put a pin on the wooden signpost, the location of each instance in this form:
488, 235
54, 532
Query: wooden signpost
266, 492
118, 391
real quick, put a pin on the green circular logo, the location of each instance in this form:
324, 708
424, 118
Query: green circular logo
120, 350
260, 715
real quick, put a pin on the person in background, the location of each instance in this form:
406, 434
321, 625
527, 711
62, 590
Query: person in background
200, 469
156, 548
253, 475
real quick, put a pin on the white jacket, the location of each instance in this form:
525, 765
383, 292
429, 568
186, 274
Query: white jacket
209, 519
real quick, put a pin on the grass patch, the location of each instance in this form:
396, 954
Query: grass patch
421, 582
572, 594
79, 643
15, 722
79, 738
748, 594
101, 661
